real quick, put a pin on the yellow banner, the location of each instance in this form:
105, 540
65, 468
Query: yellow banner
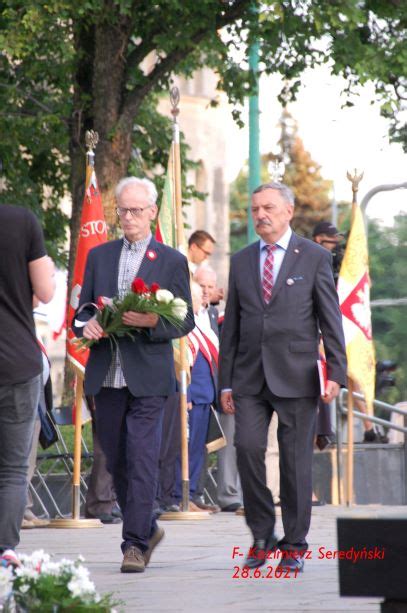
354, 299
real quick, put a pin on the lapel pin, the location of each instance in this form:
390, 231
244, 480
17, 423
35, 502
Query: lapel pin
296, 250
290, 281
152, 255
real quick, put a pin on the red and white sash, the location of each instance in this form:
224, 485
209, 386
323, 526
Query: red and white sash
208, 343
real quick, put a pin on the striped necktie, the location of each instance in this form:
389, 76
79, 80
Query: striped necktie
268, 273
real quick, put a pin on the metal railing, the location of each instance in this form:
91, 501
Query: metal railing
341, 411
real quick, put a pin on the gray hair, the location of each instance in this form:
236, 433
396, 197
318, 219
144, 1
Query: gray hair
203, 269
149, 186
285, 191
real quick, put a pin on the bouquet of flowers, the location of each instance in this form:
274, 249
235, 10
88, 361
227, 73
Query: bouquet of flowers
42, 586
142, 299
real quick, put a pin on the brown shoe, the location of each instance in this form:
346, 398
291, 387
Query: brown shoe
133, 560
152, 544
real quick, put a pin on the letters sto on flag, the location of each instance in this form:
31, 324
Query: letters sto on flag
354, 299
92, 232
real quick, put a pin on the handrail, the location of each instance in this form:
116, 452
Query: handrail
341, 410
379, 404
376, 420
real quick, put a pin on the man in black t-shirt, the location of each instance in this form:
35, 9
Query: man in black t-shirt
25, 270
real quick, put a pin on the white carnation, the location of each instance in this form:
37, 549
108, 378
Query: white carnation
180, 312
179, 302
164, 295
180, 308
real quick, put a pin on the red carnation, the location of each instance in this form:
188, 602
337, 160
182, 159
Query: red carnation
100, 303
154, 287
138, 286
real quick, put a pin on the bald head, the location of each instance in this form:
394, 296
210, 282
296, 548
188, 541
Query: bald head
206, 278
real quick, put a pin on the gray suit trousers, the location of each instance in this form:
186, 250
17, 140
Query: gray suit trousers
296, 429
229, 489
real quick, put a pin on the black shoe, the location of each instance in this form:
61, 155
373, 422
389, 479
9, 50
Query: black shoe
257, 554
370, 436
116, 512
201, 504
108, 518
291, 564
170, 508
318, 503
375, 436
322, 441
105, 518
231, 508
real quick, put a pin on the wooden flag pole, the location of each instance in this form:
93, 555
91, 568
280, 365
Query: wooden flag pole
179, 225
355, 180
76, 521
76, 480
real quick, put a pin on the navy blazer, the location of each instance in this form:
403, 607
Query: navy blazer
147, 361
277, 343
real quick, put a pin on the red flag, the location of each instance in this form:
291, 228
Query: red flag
92, 232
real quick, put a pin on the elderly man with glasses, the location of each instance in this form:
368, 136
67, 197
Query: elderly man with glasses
131, 383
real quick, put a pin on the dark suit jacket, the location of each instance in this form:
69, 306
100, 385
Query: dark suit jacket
213, 318
147, 361
278, 343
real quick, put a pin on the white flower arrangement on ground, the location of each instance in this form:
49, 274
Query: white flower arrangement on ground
40, 585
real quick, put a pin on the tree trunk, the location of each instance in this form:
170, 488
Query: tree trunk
98, 91
114, 149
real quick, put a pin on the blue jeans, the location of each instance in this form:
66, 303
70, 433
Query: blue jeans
18, 411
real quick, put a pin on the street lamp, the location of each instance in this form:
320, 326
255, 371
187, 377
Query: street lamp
375, 190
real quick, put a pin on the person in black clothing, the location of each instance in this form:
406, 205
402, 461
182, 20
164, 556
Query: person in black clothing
25, 269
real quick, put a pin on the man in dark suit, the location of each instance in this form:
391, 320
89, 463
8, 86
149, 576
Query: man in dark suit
131, 383
281, 293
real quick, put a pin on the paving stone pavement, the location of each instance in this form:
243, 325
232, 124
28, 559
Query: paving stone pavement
193, 567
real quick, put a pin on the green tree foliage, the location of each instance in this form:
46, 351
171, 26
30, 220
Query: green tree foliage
69, 66
239, 201
302, 174
388, 255
311, 191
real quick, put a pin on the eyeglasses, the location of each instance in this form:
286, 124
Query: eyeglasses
134, 212
207, 253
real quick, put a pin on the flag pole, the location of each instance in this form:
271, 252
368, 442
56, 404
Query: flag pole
179, 236
355, 180
349, 465
76, 521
